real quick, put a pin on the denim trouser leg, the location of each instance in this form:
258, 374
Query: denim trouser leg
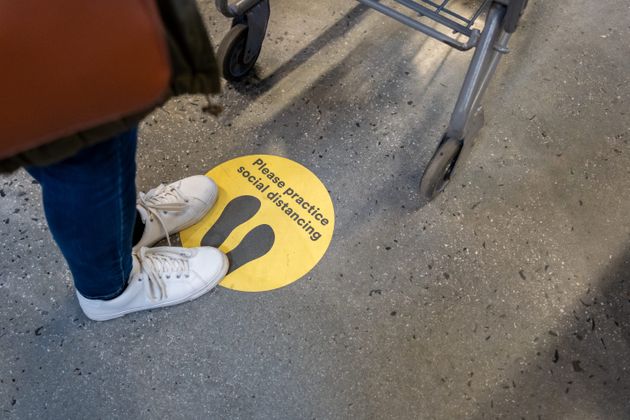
89, 201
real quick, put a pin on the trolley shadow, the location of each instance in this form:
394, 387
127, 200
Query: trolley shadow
240, 48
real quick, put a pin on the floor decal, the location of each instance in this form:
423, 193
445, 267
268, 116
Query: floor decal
273, 218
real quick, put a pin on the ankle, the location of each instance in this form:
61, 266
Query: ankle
138, 229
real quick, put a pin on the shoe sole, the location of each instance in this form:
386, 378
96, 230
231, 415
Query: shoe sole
197, 294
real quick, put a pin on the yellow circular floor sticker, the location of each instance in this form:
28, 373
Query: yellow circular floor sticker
273, 218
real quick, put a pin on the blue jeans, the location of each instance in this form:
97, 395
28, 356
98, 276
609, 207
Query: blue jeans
90, 205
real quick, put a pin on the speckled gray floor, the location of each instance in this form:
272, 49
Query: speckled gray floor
506, 297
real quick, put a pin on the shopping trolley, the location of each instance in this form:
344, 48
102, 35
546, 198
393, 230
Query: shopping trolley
241, 46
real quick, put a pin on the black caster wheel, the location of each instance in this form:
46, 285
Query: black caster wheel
440, 167
231, 54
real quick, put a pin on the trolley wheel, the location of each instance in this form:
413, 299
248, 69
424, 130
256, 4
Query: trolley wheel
438, 171
231, 54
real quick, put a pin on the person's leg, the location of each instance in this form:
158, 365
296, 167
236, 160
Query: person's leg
90, 205
91, 208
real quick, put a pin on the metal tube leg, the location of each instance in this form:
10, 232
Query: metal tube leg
481, 67
234, 10
225, 8
500, 48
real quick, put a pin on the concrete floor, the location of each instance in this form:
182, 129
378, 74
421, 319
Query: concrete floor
506, 297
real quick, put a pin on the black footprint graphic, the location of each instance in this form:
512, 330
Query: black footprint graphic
237, 212
254, 245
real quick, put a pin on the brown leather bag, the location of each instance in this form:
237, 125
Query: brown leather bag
71, 65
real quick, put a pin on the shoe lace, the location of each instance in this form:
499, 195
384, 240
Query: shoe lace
159, 264
162, 199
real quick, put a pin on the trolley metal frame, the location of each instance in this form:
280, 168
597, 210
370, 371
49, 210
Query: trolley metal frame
241, 46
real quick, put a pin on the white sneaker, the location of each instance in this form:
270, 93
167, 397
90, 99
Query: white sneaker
162, 276
174, 207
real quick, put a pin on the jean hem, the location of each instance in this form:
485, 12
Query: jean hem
107, 297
